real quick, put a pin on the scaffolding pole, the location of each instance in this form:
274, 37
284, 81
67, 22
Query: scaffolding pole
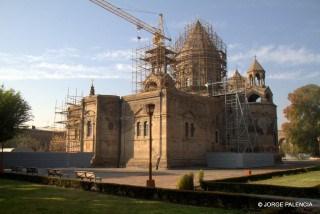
69, 115
238, 117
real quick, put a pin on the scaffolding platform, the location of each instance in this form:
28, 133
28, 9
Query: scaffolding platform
238, 117
68, 122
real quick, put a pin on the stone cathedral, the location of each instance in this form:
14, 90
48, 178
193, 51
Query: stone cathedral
199, 110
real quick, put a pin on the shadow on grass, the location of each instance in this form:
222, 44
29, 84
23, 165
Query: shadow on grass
23, 197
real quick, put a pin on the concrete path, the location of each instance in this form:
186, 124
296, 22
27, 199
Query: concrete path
168, 178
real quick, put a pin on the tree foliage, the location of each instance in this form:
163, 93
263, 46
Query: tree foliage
303, 127
14, 112
24, 141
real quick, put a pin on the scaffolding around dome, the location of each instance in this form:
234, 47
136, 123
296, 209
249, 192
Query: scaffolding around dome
201, 58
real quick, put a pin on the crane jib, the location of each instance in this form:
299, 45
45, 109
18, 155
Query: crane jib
130, 18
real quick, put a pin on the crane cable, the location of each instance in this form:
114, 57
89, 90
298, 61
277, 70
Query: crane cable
138, 11
146, 12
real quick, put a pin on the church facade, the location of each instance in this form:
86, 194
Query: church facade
198, 110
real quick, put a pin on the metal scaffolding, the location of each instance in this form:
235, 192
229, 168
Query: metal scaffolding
150, 59
201, 58
68, 119
240, 131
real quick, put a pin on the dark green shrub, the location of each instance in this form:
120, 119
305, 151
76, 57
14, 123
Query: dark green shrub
269, 175
200, 176
186, 182
262, 189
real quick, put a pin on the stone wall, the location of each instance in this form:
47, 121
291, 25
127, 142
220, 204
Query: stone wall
90, 114
193, 122
134, 145
265, 118
107, 139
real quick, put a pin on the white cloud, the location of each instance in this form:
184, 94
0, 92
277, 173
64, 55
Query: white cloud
142, 39
63, 64
123, 67
63, 52
63, 71
294, 75
113, 55
232, 46
295, 63
278, 54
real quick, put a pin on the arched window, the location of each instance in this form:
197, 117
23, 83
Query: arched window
89, 128
145, 128
250, 80
254, 98
188, 82
192, 130
76, 134
186, 129
138, 128
151, 86
217, 136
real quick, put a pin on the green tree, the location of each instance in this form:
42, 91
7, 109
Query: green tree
14, 112
23, 140
303, 114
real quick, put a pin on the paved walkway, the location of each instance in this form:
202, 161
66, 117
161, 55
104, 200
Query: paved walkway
168, 178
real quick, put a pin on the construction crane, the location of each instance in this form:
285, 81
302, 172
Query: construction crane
158, 32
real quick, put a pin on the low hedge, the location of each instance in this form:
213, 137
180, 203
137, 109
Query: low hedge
264, 176
66, 183
197, 198
264, 189
241, 185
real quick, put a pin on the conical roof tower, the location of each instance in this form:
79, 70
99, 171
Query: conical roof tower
256, 74
92, 90
236, 81
200, 59
198, 39
255, 66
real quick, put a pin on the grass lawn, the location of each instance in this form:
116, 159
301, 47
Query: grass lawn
307, 179
24, 197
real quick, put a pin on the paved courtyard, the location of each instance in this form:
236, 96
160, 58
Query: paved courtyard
168, 178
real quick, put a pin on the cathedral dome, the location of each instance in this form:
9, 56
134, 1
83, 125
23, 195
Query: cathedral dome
200, 59
198, 39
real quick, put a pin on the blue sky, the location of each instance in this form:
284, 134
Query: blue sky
48, 46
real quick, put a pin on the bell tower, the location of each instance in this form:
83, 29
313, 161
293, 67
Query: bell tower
256, 88
256, 74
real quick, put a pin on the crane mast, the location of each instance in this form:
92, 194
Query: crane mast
158, 34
